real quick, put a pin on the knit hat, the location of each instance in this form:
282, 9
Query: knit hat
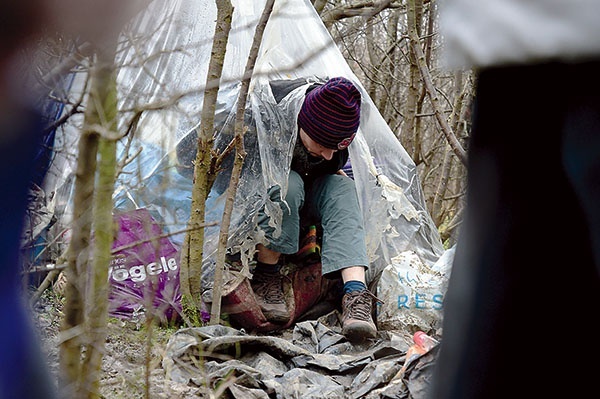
330, 114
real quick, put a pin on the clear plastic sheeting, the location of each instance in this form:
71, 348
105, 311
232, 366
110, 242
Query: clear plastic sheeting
163, 66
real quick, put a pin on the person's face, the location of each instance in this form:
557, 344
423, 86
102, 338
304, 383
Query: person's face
315, 149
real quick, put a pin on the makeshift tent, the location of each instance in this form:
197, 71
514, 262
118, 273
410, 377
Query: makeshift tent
162, 70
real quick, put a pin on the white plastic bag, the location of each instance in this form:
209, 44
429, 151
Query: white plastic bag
413, 293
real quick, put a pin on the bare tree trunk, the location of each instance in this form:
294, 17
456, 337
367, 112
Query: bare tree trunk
192, 248
92, 207
452, 204
390, 64
409, 129
238, 163
77, 260
104, 103
370, 37
436, 207
431, 91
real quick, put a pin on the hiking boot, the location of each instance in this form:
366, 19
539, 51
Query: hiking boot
268, 289
357, 321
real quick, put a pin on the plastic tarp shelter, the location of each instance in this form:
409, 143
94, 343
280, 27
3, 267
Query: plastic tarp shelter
162, 69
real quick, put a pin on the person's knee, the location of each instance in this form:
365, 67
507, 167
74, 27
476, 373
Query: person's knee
340, 185
335, 197
295, 193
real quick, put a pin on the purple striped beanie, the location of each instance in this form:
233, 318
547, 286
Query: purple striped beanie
330, 114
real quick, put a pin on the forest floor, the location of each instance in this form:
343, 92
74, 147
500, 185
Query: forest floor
132, 360
134, 352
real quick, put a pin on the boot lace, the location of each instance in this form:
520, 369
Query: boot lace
357, 305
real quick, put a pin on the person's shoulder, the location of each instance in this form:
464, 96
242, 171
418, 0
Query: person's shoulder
282, 87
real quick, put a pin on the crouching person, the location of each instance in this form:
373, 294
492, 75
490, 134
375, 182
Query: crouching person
319, 193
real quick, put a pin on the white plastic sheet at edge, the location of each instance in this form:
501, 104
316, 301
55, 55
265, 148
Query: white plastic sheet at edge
170, 69
413, 293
